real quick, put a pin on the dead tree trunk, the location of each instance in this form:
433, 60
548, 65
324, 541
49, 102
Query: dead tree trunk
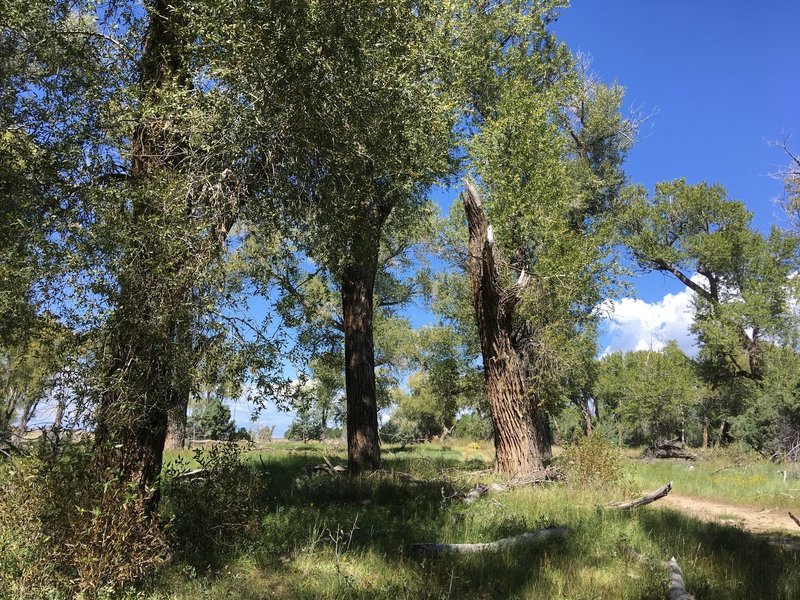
514, 418
358, 284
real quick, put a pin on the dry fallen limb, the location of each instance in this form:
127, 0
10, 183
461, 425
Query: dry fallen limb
193, 474
642, 500
531, 536
328, 467
795, 519
676, 589
478, 491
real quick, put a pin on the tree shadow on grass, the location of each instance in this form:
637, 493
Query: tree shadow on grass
296, 514
721, 561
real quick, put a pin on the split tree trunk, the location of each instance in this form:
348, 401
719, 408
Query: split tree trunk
514, 418
358, 284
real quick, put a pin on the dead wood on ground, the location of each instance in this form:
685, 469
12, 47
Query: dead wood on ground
676, 588
432, 550
642, 500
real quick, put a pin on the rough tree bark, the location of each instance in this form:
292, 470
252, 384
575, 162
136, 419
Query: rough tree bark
131, 420
358, 286
514, 416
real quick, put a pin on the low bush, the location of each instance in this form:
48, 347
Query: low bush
69, 528
593, 460
213, 513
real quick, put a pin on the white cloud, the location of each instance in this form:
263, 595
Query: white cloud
634, 324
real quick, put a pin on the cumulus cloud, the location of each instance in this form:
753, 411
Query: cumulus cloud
633, 324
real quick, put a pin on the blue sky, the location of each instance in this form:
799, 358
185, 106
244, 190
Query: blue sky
721, 81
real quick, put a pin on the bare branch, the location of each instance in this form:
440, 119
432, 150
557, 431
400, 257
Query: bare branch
642, 500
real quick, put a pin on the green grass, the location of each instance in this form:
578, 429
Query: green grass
312, 536
751, 482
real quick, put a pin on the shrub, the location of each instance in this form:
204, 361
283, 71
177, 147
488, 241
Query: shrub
593, 460
69, 528
215, 512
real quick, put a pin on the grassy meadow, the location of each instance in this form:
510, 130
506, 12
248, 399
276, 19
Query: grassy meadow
275, 529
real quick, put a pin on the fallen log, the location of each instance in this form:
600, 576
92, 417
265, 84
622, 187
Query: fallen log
642, 500
477, 492
795, 519
431, 550
676, 588
327, 468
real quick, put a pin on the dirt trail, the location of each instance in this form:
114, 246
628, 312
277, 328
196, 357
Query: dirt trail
750, 518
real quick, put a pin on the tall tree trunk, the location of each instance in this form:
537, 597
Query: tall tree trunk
514, 415
131, 421
358, 283
705, 432
176, 421
180, 388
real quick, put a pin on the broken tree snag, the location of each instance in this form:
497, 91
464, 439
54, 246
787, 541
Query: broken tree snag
795, 519
676, 589
513, 417
642, 500
431, 550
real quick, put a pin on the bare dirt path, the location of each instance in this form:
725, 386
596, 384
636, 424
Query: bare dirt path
750, 518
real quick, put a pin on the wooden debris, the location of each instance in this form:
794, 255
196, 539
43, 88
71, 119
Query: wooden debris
642, 500
193, 474
481, 489
795, 519
432, 550
407, 477
670, 450
478, 491
331, 470
676, 588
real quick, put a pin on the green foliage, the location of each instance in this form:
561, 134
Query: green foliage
742, 302
214, 514
770, 420
211, 420
473, 426
593, 461
653, 394
67, 529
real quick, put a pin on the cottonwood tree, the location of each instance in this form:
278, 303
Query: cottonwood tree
547, 147
653, 394
372, 128
742, 295
162, 212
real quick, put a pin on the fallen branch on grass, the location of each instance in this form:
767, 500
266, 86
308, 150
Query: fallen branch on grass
193, 474
795, 519
676, 589
642, 500
531, 536
545, 476
328, 467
